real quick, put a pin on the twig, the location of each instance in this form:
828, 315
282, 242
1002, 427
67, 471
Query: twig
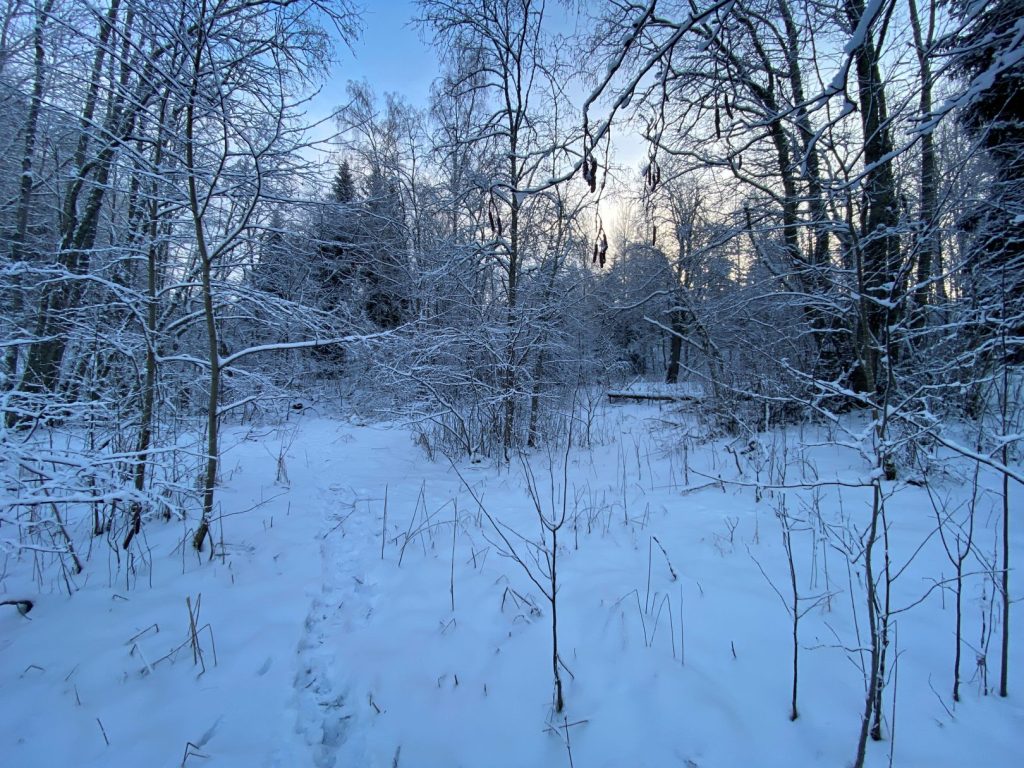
191, 750
103, 731
136, 636
668, 562
384, 524
568, 745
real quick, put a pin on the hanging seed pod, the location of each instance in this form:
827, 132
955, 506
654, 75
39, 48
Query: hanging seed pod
654, 235
653, 172
588, 175
492, 215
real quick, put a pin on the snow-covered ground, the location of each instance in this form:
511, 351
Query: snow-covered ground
328, 635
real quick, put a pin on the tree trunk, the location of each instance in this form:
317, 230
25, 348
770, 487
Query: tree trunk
209, 313
870, 697
675, 350
27, 184
79, 229
929, 245
510, 362
878, 246
149, 384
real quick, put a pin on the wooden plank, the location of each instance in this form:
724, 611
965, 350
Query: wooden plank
614, 397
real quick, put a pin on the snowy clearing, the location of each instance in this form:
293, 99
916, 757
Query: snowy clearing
320, 644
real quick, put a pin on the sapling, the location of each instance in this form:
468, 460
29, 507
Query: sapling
384, 524
542, 566
884, 611
625, 504
1006, 429
455, 530
988, 603
796, 605
878, 612
895, 691
686, 461
552, 524
577, 494
591, 399
819, 541
957, 551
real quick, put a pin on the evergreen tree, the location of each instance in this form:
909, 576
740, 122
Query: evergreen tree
337, 244
989, 53
382, 232
343, 189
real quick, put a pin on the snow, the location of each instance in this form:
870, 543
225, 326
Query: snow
319, 651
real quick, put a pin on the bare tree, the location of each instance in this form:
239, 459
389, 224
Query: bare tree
235, 142
500, 48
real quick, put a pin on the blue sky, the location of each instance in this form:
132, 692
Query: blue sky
390, 54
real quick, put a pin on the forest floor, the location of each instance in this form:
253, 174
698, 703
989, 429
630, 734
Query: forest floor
360, 612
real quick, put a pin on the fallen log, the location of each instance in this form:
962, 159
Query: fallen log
615, 397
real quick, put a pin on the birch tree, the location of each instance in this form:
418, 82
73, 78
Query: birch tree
500, 48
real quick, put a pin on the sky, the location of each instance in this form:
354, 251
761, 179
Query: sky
391, 54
